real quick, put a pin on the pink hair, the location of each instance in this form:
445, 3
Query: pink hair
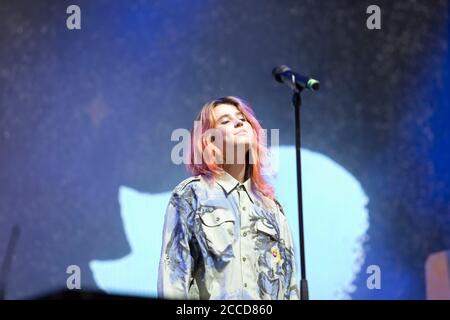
211, 169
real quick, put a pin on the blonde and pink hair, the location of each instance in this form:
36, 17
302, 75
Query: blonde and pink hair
201, 145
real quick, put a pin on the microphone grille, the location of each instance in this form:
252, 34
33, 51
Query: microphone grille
277, 71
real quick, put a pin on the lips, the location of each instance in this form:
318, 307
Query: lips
240, 132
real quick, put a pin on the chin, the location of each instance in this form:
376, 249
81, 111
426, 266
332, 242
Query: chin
240, 139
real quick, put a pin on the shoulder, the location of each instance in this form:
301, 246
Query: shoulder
272, 204
184, 195
188, 187
279, 206
183, 184
282, 219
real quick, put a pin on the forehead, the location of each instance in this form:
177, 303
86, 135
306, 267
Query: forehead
225, 109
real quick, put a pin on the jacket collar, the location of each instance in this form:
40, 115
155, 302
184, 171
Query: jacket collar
229, 183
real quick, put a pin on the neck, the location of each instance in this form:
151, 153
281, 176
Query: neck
237, 171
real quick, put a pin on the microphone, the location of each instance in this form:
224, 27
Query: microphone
295, 81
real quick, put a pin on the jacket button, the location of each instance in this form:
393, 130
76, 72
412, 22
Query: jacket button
217, 219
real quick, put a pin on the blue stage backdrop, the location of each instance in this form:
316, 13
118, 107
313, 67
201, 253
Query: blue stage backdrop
86, 118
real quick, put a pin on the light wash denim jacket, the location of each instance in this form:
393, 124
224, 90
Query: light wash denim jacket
221, 242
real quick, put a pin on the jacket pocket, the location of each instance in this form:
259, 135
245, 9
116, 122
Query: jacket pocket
265, 228
270, 260
218, 226
268, 245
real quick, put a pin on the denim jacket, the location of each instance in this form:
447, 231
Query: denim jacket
221, 241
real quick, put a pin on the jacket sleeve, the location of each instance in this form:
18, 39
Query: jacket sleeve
293, 290
176, 262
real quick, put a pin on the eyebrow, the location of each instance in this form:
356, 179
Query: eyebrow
228, 115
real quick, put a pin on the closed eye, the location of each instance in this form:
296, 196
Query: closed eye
243, 119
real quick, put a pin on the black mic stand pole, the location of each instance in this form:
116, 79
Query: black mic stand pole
297, 102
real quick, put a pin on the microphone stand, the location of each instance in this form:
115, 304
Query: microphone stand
285, 75
296, 103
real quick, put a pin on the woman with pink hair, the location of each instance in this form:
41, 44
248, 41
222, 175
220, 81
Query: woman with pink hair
225, 235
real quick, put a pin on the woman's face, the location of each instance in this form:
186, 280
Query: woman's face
237, 133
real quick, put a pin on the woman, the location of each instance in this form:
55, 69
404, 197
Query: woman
225, 235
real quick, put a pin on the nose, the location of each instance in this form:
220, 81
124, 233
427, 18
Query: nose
238, 123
